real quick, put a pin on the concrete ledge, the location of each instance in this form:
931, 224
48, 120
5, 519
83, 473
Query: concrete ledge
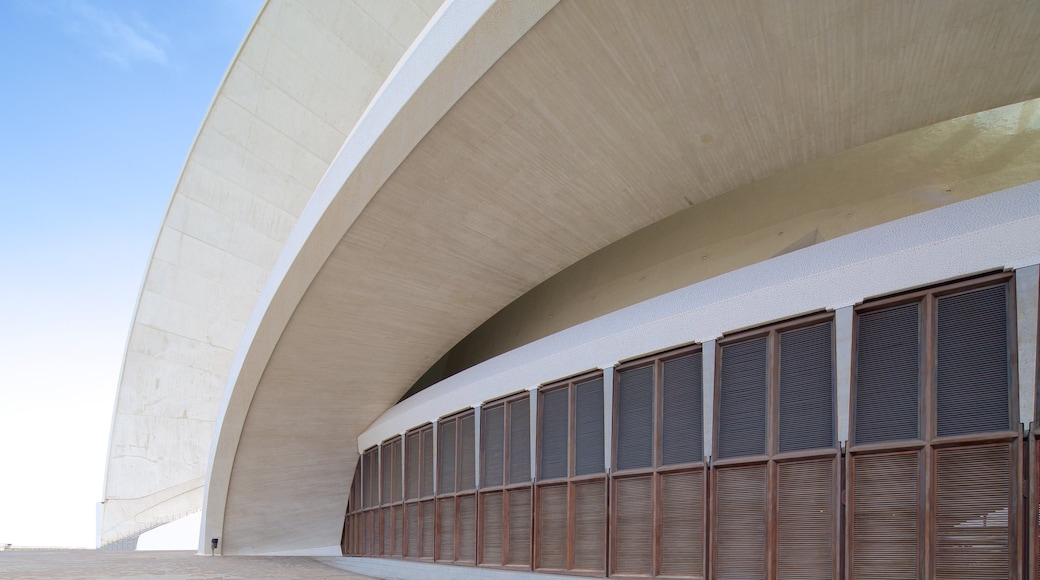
397, 569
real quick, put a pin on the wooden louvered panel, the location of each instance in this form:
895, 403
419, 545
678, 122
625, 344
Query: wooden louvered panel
413, 453
520, 441
682, 524
887, 375
426, 486
467, 528
590, 525
633, 525
740, 520
491, 528
467, 455
743, 381
493, 427
807, 388
398, 531
386, 474
387, 516
446, 457
412, 524
426, 533
973, 363
635, 416
806, 520
519, 527
588, 431
681, 419
395, 471
972, 505
555, 430
885, 518
446, 534
371, 529
552, 527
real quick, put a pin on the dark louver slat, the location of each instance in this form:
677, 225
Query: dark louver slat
887, 376
491, 526
682, 524
467, 528
590, 525
446, 535
427, 463
885, 532
386, 476
520, 527
398, 530
446, 457
742, 402
388, 531
552, 527
807, 388
395, 471
554, 433
588, 432
412, 456
426, 539
467, 479
520, 441
493, 427
412, 524
371, 528
973, 363
633, 525
635, 435
681, 432
805, 526
740, 521
972, 507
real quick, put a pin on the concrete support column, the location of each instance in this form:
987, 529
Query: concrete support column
534, 430
1027, 288
708, 394
436, 457
608, 415
476, 445
843, 367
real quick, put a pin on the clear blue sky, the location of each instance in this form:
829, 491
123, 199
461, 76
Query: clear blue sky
101, 101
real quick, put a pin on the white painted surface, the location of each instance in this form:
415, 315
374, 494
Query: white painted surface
708, 388
990, 232
843, 366
1027, 287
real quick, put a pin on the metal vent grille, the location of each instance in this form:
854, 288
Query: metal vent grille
741, 520
520, 527
885, 517
446, 537
590, 523
467, 469
805, 523
973, 363
742, 398
682, 524
491, 526
493, 427
395, 471
635, 434
806, 388
427, 463
555, 413
412, 453
887, 375
412, 516
552, 527
398, 530
633, 525
467, 528
446, 458
972, 504
588, 440
681, 432
520, 441
426, 539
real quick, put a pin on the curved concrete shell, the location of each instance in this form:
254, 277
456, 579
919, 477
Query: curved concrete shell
529, 167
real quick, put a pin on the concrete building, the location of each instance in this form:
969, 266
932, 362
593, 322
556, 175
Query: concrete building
398, 214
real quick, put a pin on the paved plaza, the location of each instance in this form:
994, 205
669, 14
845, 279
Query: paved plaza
76, 564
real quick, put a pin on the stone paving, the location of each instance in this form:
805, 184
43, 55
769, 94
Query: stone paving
80, 564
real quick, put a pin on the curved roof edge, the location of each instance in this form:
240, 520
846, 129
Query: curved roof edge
462, 41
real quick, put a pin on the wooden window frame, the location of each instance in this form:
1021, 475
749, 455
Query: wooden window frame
421, 502
458, 493
773, 458
504, 486
928, 443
